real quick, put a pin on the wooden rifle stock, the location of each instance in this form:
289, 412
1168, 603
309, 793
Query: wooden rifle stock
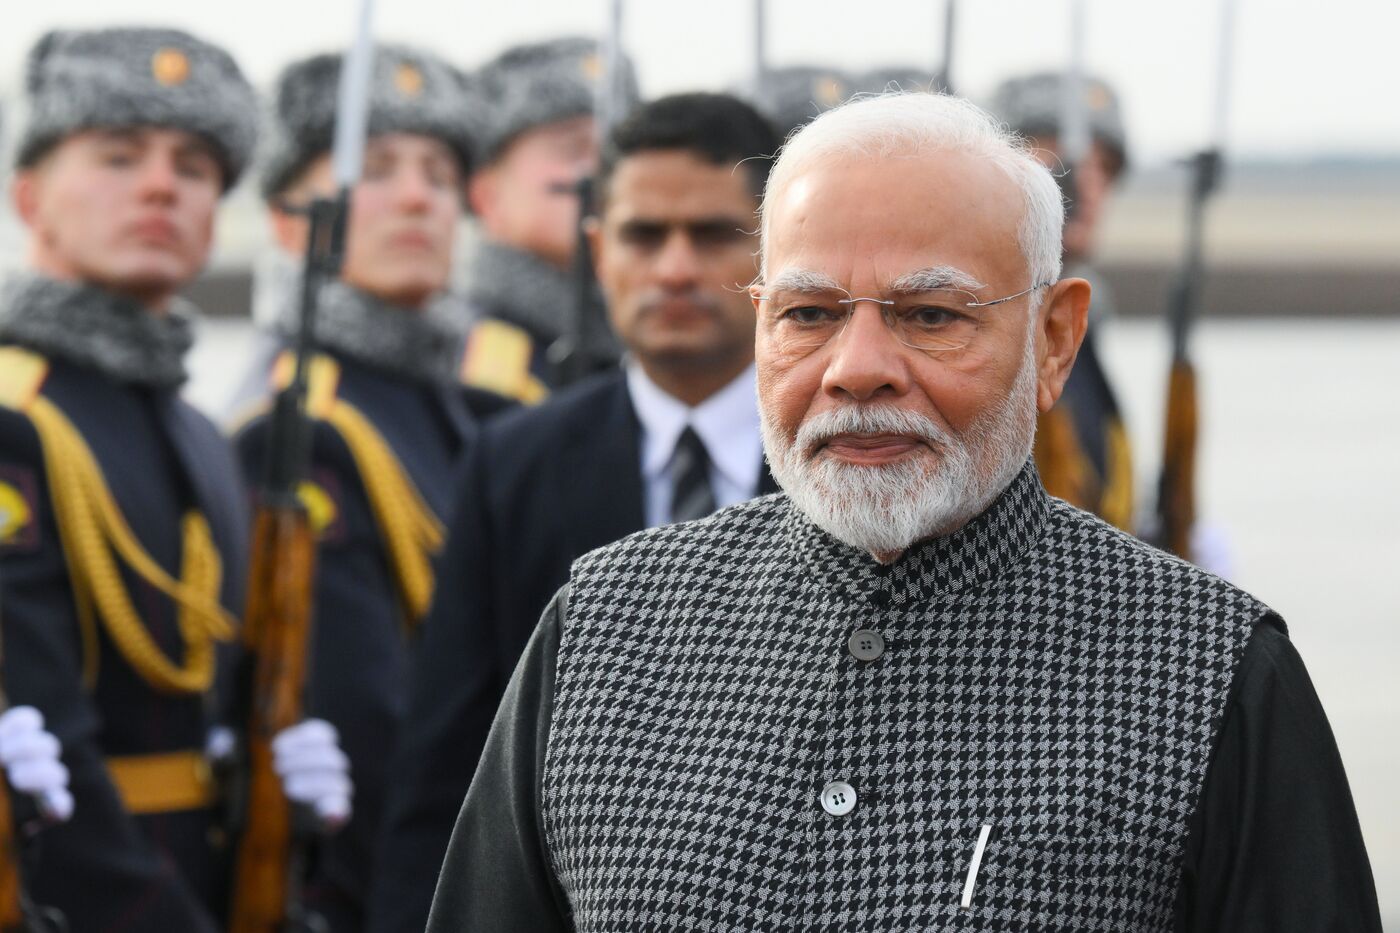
1176, 504
11, 900
277, 631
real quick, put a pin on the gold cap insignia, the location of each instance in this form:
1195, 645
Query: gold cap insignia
1098, 97
592, 67
830, 92
408, 80
170, 67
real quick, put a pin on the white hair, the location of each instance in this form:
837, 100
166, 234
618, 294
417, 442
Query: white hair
898, 124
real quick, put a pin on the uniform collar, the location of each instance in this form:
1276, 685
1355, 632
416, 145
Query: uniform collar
727, 423
979, 551
520, 288
97, 329
422, 346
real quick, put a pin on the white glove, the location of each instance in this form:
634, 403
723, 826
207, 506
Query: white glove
314, 770
1213, 549
30, 756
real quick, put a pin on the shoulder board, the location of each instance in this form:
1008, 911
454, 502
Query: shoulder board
322, 381
22, 375
498, 358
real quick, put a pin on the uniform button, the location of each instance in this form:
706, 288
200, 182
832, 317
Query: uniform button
865, 644
838, 798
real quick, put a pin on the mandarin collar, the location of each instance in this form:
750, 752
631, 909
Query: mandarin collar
948, 565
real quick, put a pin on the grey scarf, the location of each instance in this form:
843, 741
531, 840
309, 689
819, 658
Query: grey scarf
519, 288
97, 329
419, 346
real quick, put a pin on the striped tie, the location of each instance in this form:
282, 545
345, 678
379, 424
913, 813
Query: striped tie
690, 471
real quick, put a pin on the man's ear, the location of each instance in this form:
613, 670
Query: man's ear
1061, 322
289, 230
593, 230
24, 195
481, 191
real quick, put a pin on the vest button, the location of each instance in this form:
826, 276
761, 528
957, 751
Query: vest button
838, 798
866, 644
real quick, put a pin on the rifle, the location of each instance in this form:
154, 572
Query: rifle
1176, 489
945, 68
272, 850
586, 345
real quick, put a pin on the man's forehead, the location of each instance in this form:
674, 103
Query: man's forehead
678, 186
172, 136
873, 219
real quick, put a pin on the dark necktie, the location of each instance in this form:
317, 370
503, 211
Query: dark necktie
691, 496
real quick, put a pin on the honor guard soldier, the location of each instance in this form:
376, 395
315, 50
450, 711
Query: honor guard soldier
538, 141
391, 415
1082, 447
794, 95
123, 545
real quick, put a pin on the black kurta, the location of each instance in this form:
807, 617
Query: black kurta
1274, 844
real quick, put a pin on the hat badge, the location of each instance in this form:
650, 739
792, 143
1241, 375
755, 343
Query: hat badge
591, 66
408, 80
170, 67
829, 92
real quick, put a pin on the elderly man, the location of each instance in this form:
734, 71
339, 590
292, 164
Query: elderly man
915, 692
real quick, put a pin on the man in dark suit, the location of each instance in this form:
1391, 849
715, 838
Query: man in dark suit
671, 436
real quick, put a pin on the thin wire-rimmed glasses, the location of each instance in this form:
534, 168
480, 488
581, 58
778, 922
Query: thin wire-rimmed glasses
936, 320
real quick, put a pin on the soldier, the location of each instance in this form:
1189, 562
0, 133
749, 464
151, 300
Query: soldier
1082, 447
668, 438
123, 551
538, 142
392, 418
796, 94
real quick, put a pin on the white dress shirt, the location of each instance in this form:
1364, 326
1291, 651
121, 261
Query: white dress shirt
727, 423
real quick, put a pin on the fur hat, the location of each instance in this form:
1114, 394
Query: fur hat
795, 95
1031, 106
128, 77
545, 82
411, 91
878, 80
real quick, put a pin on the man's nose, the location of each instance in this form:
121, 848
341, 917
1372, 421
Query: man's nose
159, 177
677, 266
412, 190
867, 360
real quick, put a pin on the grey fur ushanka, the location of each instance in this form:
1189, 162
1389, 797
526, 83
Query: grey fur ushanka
1044, 675
132, 77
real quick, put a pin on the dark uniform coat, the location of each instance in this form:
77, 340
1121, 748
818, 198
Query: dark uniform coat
360, 622
107, 869
540, 488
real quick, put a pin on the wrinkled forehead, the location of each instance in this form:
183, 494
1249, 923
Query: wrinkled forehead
871, 223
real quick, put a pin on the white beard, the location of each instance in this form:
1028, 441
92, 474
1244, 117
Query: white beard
885, 509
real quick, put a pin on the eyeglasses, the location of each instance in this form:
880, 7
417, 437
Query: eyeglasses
937, 320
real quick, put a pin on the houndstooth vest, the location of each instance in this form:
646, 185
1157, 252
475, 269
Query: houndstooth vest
1042, 674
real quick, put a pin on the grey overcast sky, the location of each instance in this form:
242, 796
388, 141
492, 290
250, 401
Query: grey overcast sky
1310, 76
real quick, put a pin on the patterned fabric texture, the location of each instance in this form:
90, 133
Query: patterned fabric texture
1043, 674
